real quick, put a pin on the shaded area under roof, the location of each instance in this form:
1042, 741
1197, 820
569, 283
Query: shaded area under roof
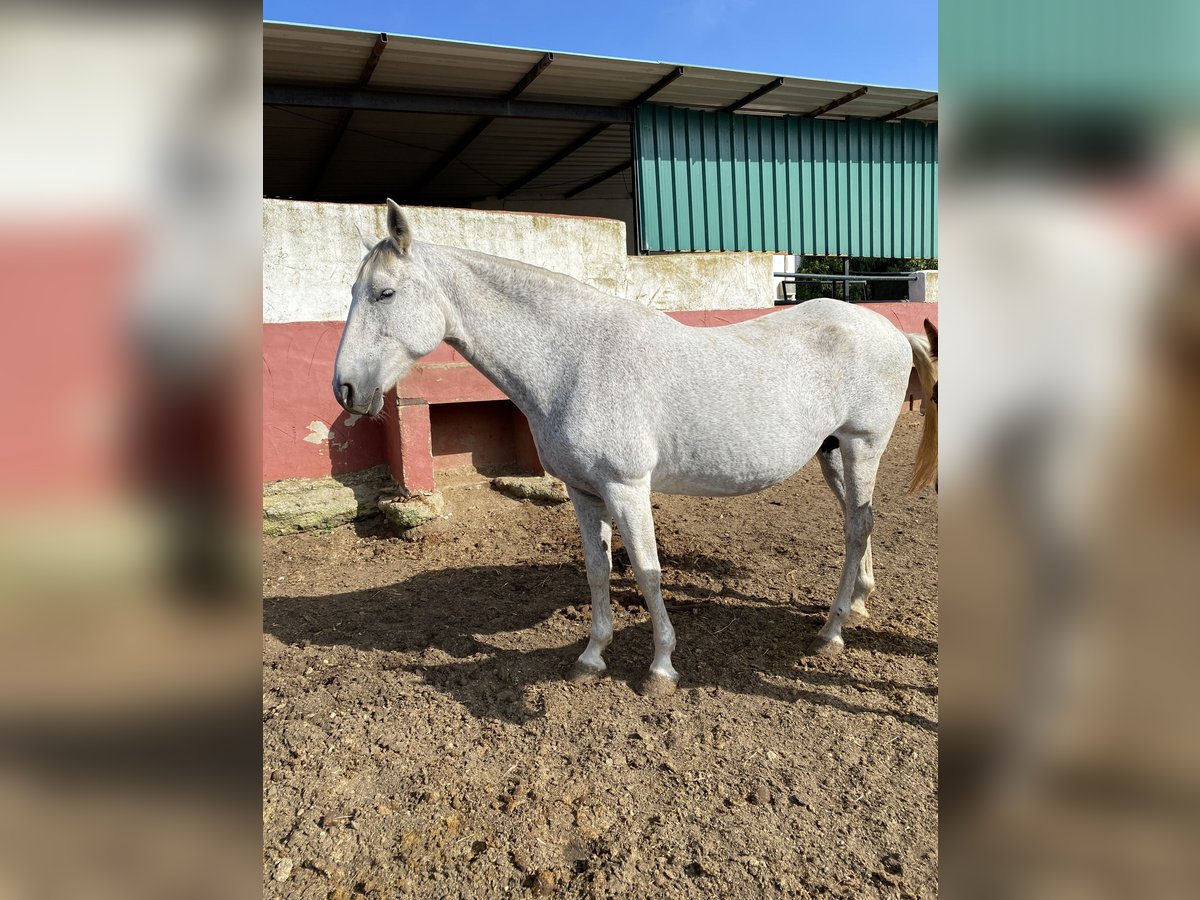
357, 116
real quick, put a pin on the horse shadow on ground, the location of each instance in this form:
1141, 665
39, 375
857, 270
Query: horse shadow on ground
458, 621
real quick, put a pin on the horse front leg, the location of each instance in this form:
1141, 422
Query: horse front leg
630, 507
595, 527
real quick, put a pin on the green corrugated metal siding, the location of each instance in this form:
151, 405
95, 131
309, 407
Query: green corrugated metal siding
719, 181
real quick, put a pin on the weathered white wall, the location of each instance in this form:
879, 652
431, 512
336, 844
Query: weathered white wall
604, 208
701, 280
312, 250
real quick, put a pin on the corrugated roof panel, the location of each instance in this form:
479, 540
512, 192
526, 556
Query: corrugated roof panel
507, 154
293, 55
598, 155
301, 54
576, 79
412, 67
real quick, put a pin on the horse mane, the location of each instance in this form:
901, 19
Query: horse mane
503, 266
384, 248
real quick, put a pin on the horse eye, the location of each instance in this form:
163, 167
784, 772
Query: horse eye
387, 294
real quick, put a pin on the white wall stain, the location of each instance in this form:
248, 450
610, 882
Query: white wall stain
318, 433
351, 419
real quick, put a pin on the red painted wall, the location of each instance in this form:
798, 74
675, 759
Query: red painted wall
472, 422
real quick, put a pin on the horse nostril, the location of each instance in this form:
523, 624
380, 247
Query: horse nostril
347, 392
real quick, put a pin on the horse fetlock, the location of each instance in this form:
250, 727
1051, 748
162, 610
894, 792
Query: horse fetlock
665, 645
592, 654
601, 633
858, 613
662, 666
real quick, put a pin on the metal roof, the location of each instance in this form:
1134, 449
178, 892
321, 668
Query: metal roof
357, 115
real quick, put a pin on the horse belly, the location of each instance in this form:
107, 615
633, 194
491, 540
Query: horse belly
708, 484
726, 471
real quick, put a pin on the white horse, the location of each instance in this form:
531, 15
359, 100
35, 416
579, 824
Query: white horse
623, 400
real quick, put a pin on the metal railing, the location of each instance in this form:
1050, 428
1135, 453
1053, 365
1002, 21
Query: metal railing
844, 280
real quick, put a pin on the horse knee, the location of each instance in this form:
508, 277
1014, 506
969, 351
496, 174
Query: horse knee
649, 579
859, 523
598, 578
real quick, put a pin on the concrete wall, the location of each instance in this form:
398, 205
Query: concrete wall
311, 252
621, 210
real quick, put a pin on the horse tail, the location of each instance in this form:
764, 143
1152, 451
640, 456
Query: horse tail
924, 351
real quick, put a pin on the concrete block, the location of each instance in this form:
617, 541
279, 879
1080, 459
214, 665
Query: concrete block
925, 288
411, 511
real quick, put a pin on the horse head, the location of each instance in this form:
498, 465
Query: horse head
396, 317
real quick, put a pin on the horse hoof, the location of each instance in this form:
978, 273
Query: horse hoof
581, 673
822, 647
857, 615
656, 686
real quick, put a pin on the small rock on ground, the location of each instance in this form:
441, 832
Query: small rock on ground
409, 512
539, 487
283, 869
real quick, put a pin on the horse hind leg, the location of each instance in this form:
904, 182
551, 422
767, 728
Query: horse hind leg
861, 463
595, 527
830, 457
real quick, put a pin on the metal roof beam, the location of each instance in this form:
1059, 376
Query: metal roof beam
754, 95
599, 179
834, 104
553, 161
390, 101
423, 181
656, 87
594, 133
912, 107
529, 77
373, 60
339, 129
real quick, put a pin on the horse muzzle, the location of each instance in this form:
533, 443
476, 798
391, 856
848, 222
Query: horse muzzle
357, 399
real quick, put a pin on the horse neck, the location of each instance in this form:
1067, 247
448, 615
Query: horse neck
512, 323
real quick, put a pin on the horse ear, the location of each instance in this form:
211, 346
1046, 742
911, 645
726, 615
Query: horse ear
931, 333
368, 245
398, 228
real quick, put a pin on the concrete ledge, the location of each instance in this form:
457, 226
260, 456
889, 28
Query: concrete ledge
305, 504
315, 504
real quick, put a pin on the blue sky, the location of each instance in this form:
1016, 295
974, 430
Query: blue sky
889, 42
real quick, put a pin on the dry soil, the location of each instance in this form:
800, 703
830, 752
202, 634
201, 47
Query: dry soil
420, 738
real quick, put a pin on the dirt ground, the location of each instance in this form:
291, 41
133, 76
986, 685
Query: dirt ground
420, 738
